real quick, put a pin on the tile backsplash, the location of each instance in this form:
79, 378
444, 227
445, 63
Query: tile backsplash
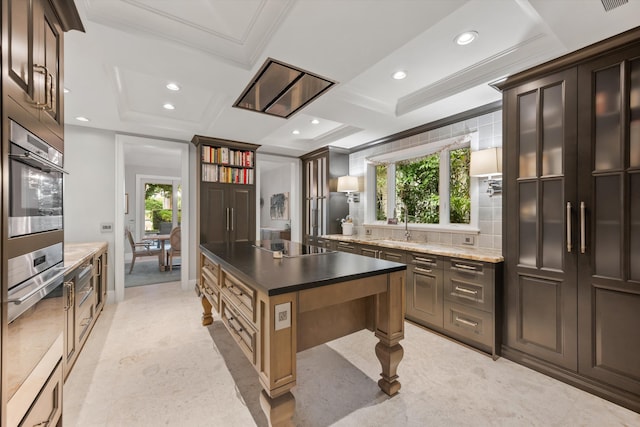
489, 210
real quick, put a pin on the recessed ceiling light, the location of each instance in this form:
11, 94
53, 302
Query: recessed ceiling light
399, 75
65, 90
466, 37
173, 86
296, 132
82, 119
315, 121
168, 106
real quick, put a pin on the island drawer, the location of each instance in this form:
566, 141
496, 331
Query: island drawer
210, 270
241, 331
476, 325
240, 295
212, 293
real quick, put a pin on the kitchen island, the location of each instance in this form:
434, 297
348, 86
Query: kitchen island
277, 298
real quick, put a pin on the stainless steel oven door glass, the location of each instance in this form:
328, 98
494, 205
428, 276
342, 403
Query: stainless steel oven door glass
35, 189
35, 311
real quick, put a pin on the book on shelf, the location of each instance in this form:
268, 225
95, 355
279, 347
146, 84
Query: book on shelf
227, 156
227, 174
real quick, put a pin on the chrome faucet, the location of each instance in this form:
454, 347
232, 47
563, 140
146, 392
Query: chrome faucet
407, 233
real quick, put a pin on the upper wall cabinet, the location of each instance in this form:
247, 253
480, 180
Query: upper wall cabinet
33, 63
572, 228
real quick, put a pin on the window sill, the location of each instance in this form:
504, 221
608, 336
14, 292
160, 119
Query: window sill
449, 228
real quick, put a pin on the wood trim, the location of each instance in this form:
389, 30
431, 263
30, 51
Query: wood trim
68, 15
475, 112
589, 53
199, 140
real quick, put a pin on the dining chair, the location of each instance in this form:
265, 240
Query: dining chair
142, 249
175, 238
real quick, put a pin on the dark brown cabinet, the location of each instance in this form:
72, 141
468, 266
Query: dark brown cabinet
80, 309
424, 289
572, 203
34, 60
323, 206
226, 188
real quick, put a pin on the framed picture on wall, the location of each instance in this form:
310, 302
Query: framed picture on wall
279, 206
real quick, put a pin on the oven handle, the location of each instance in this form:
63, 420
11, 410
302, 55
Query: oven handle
45, 286
45, 165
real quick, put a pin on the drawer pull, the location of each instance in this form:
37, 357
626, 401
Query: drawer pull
429, 260
341, 243
466, 291
422, 270
465, 267
466, 322
235, 325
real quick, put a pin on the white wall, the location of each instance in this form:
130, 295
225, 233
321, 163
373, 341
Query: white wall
89, 188
274, 181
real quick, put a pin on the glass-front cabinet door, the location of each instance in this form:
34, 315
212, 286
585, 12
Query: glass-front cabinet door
540, 254
609, 193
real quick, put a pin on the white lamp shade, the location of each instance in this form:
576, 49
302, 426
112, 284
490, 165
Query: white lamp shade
486, 162
348, 184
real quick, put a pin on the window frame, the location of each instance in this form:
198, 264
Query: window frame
443, 147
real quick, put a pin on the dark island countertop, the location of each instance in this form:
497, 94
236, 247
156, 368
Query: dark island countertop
297, 269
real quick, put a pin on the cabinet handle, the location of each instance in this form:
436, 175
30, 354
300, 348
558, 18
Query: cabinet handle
569, 247
465, 267
232, 221
422, 270
583, 243
48, 81
227, 219
466, 322
69, 287
429, 260
466, 291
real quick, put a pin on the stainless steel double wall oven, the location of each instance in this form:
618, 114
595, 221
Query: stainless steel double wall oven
35, 295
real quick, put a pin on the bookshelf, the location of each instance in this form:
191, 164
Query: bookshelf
226, 205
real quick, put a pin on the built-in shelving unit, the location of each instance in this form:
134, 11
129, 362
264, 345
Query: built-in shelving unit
223, 164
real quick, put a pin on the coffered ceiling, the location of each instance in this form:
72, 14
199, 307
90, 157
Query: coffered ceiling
117, 71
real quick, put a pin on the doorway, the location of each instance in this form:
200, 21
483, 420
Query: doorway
162, 168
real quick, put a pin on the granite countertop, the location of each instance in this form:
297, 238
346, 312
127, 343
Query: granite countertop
471, 253
76, 253
274, 276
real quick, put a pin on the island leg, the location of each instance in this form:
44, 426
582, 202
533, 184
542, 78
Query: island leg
207, 318
390, 330
389, 357
279, 411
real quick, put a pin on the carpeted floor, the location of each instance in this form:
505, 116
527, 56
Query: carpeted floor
146, 272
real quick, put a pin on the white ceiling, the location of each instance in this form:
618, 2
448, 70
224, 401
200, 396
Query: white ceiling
117, 71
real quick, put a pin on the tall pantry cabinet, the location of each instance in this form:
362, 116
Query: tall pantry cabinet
226, 188
323, 206
572, 223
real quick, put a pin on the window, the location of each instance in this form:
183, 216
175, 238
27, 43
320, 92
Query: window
432, 183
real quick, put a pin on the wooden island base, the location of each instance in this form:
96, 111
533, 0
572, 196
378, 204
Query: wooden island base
271, 329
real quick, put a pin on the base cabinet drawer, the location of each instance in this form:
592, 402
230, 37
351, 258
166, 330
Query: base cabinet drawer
240, 294
240, 330
476, 325
47, 408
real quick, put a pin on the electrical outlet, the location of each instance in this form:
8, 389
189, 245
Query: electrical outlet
468, 240
282, 314
367, 231
106, 227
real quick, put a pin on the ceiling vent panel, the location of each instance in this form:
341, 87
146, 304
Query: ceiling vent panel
281, 90
612, 4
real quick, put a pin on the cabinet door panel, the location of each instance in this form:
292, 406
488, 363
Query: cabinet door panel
242, 215
540, 254
50, 43
424, 296
609, 184
214, 216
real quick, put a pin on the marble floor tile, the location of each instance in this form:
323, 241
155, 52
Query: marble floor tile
149, 362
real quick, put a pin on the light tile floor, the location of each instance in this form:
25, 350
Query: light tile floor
149, 362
